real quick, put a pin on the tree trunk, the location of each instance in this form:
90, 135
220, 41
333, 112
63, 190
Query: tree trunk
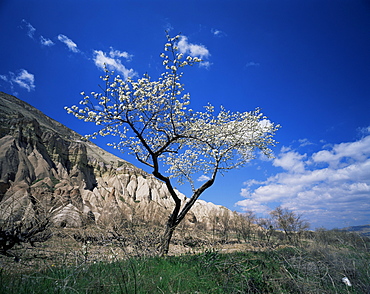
166, 238
177, 216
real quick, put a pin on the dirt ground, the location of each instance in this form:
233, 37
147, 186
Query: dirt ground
72, 247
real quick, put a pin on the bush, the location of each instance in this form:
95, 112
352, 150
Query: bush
15, 229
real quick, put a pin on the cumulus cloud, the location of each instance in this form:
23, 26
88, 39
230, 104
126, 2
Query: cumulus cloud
23, 79
291, 161
112, 60
72, 46
192, 49
116, 53
343, 152
253, 205
330, 187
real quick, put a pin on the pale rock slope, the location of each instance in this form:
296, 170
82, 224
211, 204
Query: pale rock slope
44, 166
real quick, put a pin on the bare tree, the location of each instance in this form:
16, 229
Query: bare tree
244, 225
214, 220
267, 227
291, 223
152, 120
15, 228
225, 224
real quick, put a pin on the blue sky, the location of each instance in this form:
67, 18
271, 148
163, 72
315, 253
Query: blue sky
305, 63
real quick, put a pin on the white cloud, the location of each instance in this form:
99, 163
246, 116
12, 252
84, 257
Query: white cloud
31, 33
203, 178
30, 29
46, 42
254, 205
291, 161
112, 60
192, 49
25, 80
364, 131
116, 53
168, 27
205, 64
304, 142
340, 153
4, 78
68, 42
218, 33
98, 107
332, 195
252, 63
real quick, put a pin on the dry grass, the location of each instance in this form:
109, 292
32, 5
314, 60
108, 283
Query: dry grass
70, 247
316, 266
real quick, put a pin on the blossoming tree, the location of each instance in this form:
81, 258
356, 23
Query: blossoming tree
151, 119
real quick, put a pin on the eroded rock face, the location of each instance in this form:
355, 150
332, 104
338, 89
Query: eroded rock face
45, 165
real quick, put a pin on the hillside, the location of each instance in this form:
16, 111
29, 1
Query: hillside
45, 164
363, 230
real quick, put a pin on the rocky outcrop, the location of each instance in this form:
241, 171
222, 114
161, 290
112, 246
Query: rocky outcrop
43, 164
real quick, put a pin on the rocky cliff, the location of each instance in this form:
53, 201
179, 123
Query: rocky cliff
44, 165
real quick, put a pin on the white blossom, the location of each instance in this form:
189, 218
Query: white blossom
152, 120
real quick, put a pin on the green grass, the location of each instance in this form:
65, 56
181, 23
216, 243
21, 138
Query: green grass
210, 272
316, 267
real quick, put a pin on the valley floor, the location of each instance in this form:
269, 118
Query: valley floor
87, 261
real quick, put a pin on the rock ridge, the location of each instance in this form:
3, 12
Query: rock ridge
45, 164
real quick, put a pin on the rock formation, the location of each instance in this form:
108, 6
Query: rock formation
46, 166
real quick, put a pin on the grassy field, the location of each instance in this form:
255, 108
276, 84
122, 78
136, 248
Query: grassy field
316, 265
